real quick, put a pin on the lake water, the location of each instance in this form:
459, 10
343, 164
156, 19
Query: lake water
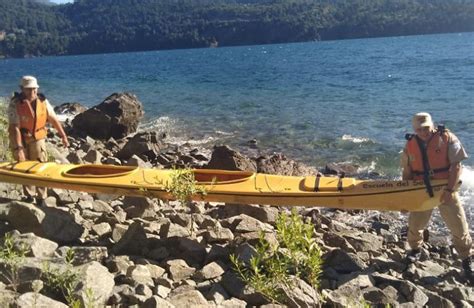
317, 102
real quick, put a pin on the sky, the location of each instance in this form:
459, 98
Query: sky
61, 1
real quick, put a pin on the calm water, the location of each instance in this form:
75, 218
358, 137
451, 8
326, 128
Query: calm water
317, 102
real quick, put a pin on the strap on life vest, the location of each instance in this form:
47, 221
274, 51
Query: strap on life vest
426, 167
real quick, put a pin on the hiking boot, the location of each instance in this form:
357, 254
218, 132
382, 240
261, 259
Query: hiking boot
413, 256
468, 267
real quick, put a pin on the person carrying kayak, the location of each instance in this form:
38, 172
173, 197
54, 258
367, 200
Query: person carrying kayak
436, 153
28, 114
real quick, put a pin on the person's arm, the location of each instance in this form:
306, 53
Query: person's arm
53, 119
453, 178
17, 143
406, 173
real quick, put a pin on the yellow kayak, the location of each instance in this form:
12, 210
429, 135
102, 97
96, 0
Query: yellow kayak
230, 186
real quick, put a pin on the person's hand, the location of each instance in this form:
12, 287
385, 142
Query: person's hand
21, 154
65, 141
446, 197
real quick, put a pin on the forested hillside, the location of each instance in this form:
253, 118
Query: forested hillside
28, 28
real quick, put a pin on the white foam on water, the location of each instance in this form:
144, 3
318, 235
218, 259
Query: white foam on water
160, 124
355, 139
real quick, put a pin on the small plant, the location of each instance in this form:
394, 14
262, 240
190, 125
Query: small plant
271, 268
183, 186
11, 258
62, 283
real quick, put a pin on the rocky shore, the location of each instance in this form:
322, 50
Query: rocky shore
141, 252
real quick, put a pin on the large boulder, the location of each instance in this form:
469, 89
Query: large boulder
117, 116
223, 157
280, 164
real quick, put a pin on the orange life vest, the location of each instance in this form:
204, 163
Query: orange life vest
32, 122
437, 153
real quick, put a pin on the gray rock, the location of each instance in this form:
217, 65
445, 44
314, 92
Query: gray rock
102, 229
435, 300
365, 242
32, 299
75, 157
162, 291
245, 223
157, 302
51, 223
113, 161
191, 250
173, 230
335, 240
86, 254
93, 157
101, 207
343, 262
266, 214
137, 161
179, 269
189, 298
235, 287
218, 235
117, 116
95, 277
226, 158
35, 246
133, 241
210, 271
409, 290
280, 164
217, 294
234, 303
376, 296
140, 274
301, 295
141, 144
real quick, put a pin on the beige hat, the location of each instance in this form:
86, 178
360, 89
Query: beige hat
422, 119
29, 82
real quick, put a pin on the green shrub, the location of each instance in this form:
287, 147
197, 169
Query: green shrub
183, 186
62, 283
11, 258
272, 267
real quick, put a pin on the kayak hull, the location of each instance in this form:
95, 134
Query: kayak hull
230, 186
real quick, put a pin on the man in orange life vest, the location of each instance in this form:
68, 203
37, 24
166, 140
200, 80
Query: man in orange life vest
439, 153
28, 114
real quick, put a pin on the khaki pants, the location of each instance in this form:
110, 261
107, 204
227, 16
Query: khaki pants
454, 218
35, 150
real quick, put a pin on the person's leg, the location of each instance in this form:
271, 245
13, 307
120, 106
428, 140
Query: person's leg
38, 152
28, 190
417, 222
455, 219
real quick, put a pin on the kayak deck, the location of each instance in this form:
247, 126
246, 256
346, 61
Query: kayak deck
230, 186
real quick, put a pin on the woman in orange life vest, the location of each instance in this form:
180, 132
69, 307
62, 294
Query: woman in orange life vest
28, 114
436, 154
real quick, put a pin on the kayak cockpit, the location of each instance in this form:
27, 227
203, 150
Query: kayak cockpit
217, 177
99, 171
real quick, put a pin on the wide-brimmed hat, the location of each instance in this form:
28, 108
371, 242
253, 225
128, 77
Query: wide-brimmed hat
29, 82
422, 119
